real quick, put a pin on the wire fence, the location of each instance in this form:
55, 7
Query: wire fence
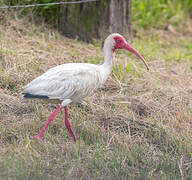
46, 4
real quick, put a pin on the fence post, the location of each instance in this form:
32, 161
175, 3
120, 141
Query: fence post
96, 19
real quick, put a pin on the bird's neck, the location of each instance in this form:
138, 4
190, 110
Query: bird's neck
107, 66
108, 59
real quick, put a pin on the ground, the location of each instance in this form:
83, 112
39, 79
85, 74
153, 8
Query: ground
139, 125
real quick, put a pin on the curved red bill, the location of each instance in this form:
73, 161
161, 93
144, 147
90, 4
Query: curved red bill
131, 49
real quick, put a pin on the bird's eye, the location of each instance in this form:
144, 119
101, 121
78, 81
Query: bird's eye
118, 40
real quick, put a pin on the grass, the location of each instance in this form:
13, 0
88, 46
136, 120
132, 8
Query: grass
160, 13
138, 126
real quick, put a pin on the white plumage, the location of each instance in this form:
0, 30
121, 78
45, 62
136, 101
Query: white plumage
68, 81
74, 81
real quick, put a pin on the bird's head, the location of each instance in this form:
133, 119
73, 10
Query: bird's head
116, 41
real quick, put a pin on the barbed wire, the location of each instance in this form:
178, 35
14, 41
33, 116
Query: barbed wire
46, 4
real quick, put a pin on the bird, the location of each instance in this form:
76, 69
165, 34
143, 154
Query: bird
72, 82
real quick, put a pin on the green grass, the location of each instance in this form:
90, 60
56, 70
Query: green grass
158, 13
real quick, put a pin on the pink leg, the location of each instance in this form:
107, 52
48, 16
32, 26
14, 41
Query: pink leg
51, 118
38, 136
67, 124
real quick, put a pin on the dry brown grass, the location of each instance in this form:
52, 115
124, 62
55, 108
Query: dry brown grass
137, 126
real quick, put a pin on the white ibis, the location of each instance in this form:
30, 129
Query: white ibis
72, 82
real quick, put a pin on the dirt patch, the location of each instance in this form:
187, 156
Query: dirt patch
125, 125
161, 103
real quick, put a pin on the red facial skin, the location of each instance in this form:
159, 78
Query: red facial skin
121, 43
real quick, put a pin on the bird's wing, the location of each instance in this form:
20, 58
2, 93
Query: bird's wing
73, 81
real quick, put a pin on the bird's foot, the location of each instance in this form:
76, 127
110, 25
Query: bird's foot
37, 137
